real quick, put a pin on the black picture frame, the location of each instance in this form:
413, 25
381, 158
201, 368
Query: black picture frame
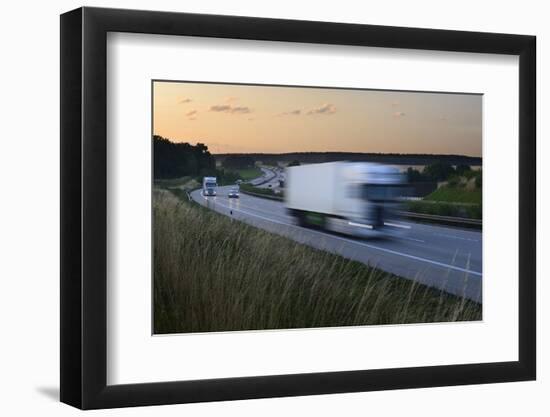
84, 207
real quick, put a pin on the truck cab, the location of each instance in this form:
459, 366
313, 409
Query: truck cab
372, 198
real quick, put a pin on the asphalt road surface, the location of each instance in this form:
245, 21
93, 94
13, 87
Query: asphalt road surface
446, 258
270, 178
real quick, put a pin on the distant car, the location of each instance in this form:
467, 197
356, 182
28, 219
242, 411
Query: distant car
233, 193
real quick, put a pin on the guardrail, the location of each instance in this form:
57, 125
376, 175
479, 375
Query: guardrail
449, 220
429, 218
269, 197
264, 181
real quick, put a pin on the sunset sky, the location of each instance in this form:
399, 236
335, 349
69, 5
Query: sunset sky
242, 118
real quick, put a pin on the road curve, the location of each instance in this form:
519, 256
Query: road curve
269, 178
440, 257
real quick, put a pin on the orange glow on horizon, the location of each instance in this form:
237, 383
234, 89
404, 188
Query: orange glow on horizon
231, 118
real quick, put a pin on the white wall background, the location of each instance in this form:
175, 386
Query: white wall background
29, 209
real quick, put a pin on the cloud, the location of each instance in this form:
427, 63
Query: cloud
185, 100
227, 108
398, 114
326, 108
296, 112
220, 107
240, 109
191, 113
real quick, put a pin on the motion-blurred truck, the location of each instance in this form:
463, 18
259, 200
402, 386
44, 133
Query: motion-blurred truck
209, 185
358, 199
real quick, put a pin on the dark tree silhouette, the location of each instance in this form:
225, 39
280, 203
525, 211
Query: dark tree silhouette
173, 160
384, 158
414, 175
439, 171
238, 162
462, 168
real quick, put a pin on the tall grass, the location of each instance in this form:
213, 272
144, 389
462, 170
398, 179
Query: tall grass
172, 182
215, 274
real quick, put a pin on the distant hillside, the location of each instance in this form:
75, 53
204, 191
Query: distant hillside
386, 158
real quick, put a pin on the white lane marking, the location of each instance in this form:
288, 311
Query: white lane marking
403, 226
256, 209
456, 237
287, 217
241, 203
366, 226
412, 238
393, 252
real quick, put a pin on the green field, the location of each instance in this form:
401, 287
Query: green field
215, 274
249, 173
456, 195
460, 197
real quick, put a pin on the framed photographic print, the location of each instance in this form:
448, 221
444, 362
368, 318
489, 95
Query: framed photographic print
257, 207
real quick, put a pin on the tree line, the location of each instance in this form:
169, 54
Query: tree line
174, 160
441, 171
238, 162
384, 158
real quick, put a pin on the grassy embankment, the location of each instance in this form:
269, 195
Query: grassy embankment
460, 197
183, 182
215, 274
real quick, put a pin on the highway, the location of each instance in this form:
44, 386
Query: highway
440, 257
269, 179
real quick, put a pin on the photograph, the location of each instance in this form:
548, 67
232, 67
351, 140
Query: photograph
297, 207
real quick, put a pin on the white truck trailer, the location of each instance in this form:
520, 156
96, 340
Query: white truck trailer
352, 198
209, 185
